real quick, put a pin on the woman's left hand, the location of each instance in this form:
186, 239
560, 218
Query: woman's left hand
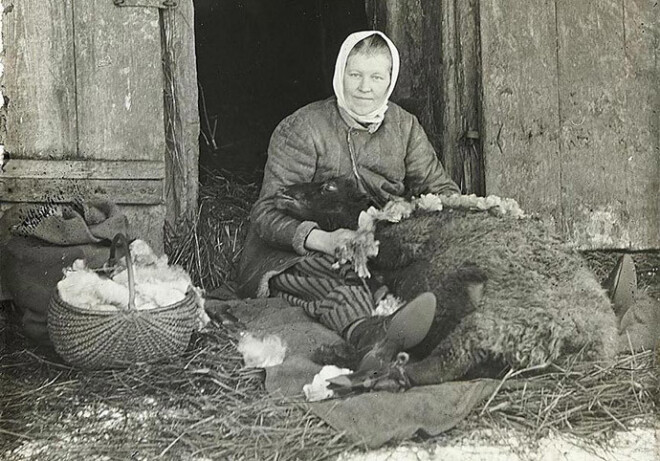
329, 242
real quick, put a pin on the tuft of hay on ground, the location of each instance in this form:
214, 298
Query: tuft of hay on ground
202, 405
207, 405
209, 244
583, 399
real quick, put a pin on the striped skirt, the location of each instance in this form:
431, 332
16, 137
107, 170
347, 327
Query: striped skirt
334, 297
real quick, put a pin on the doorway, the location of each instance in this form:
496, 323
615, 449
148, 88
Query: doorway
257, 62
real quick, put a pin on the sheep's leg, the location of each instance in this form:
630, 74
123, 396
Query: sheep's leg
439, 368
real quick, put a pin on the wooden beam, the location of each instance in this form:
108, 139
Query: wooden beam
83, 169
181, 111
64, 190
460, 107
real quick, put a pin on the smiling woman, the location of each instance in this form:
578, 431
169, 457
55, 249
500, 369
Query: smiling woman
360, 136
363, 78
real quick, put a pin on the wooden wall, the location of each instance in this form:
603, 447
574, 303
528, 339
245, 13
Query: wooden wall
564, 98
87, 83
572, 114
101, 102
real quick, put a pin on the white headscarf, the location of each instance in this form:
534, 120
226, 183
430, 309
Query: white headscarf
376, 116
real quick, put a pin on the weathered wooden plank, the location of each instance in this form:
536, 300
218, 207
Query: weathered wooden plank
609, 103
119, 81
63, 190
460, 95
39, 78
642, 121
520, 124
83, 169
146, 222
182, 113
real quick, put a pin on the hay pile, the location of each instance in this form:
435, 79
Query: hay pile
203, 405
206, 405
209, 244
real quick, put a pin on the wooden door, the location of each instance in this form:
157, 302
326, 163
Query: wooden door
86, 108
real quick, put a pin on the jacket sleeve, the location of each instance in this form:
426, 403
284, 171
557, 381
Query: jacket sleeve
424, 171
291, 160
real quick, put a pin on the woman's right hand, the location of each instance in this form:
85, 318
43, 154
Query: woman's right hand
329, 242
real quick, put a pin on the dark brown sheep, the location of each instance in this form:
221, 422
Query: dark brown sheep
540, 303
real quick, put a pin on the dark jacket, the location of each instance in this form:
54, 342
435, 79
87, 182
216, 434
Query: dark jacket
317, 143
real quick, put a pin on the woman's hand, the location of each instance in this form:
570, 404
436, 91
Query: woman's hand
328, 242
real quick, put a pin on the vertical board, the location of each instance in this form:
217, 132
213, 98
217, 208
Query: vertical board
119, 81
609, 141
182, 124
641, 22
39, 78
520, 109
460, 94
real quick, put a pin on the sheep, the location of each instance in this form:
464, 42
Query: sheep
522, 296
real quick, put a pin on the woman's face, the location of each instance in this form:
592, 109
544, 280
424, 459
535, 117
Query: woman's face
366, 80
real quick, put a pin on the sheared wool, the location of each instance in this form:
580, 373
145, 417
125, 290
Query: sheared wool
364, 245
156, 284
261, 352
318, 389
388, 305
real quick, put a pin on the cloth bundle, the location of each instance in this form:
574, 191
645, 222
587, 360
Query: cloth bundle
428, 409
38, 241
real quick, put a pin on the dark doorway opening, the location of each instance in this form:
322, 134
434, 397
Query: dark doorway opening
258, 61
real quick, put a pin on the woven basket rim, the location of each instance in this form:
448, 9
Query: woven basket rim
119, 311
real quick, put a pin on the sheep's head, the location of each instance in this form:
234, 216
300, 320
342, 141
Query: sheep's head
333, 204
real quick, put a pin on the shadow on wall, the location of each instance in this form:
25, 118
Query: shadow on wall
258, 61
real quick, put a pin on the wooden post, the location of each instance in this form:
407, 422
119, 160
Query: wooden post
182, 114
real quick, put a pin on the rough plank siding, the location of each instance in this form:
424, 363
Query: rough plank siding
520, 104
609, 122
182, 124
460, 94
438, 42
119, 81
83, 169
39, 84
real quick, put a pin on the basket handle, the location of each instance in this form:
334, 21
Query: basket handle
120, 241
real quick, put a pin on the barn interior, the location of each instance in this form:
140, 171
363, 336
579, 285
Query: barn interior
257, 62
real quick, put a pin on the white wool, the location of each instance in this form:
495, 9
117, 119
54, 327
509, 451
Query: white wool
156, 285
203, 318
173, 276
259, 353
429, 202
388, 305
143, 255
318, 388
85, 289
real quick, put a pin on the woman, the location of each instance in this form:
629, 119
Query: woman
356, 134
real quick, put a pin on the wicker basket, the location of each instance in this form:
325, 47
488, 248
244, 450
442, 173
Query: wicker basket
97, 339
